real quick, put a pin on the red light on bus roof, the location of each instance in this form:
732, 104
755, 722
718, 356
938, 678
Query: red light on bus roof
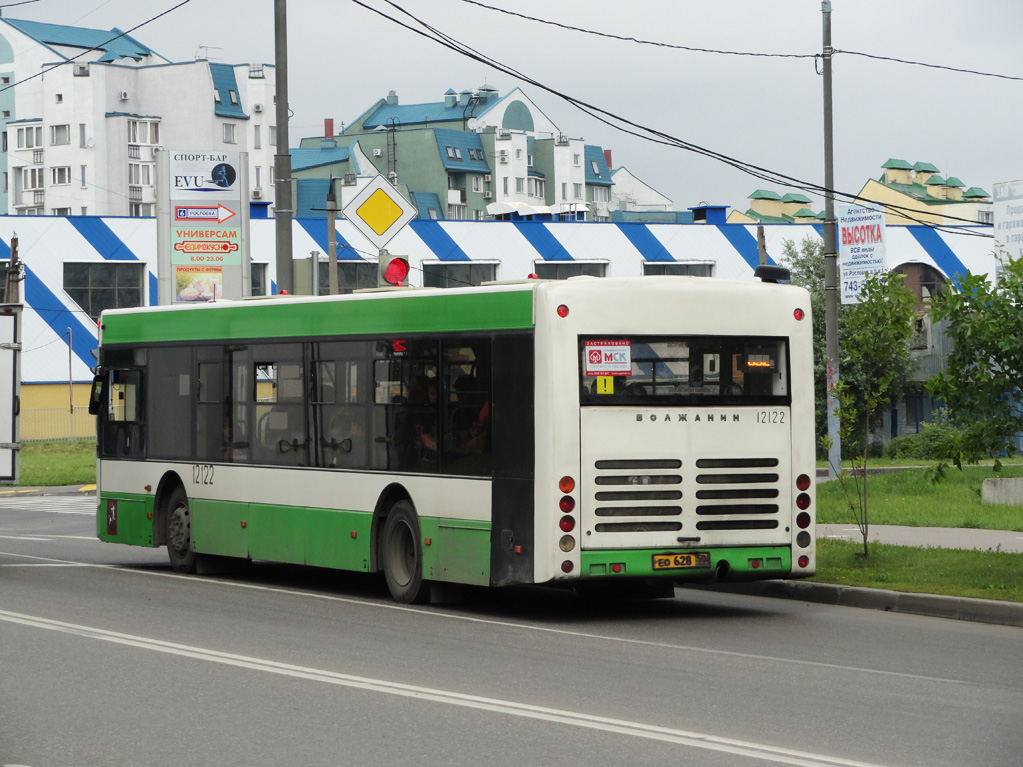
562, 311
799, 314
532, 276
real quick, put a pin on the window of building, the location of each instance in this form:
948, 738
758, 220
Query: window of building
29, 138
257, 138
684, 268
105, 285
5, 80
577, 191
576, 160
32, 178
7, 114
273, 175
257, 274
351, 276
141, 132
60, 98
138, 209
520, 185
61, 212
562, 270
432, 213
233, 95
461, 275
6, 183
4, 140
3, 282
60, 175
457, 212
216, 95
529, 160
259, 177
134, 173
985, 217
229, 133
273, 136
600, 194
480, 215
81, 134
596, 169
82, 168
504, 185
477, 183
564, 191
59, 134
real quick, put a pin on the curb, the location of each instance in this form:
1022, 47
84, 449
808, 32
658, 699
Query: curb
932, 605
14, 492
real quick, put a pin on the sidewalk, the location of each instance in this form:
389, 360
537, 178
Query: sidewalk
959, 608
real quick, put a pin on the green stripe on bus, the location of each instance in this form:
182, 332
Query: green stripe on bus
457, 312
772, 562
131, 523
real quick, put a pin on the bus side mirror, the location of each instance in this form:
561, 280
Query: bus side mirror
96, 395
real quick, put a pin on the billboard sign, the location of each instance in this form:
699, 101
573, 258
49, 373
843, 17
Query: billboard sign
861, 247
1008, 218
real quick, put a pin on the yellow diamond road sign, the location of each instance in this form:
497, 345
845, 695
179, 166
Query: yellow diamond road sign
379, 212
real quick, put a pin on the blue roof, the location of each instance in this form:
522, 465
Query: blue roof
424, 201
460, 142
315, 157
420, 114
225, 83
81, 37
595, 154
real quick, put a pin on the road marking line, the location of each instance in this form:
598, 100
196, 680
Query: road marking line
620, 726
134, 570
23, 538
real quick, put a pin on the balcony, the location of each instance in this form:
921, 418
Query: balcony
134, 193
37, 156
134, 152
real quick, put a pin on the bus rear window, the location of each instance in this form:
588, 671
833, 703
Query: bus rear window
683, 370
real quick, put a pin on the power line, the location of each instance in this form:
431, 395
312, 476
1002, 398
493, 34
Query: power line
694, 49
644, 132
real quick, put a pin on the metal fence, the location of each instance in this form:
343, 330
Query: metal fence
57, 424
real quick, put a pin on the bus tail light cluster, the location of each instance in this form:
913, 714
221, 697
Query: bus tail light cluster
803, 519
567, 522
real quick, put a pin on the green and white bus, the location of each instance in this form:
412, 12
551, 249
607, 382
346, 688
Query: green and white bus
586, 432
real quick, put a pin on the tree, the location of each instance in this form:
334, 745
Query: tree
806, 264
980, 385
878, 332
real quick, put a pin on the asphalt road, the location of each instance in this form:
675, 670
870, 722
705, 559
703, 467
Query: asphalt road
108, 658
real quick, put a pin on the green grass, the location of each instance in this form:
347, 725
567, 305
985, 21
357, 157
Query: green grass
949, 572
908, 498
58, 463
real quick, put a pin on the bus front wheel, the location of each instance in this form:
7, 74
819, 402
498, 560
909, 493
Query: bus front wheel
179, 532
401, 548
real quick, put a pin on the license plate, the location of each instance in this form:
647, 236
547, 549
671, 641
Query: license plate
681, 561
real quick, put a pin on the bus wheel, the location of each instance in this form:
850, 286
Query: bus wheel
179, 533
401, 550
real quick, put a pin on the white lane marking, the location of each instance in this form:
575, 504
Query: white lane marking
23, 538
39, 564
506, 624
496, 705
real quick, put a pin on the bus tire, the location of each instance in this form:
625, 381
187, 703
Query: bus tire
179, 532
402, 555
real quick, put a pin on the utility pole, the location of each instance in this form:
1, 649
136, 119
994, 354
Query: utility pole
830, 254
12, 294
282, 159
332, 239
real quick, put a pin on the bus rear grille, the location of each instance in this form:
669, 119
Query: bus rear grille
646, 495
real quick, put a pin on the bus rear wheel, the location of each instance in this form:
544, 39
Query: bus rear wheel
179, 532
401, 550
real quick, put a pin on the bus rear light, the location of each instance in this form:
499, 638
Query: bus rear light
567, 543
567, 524
567, 504
803, 482
803, 501
798, 314
803, 540
567, 485
617, 568
562, 311
566, 566
754, 563
804, 561
803, 520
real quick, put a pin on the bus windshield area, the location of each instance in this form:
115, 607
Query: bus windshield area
683, 370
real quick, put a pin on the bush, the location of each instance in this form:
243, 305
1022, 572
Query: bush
929, 444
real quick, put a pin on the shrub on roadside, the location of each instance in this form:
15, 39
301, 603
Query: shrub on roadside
928, 445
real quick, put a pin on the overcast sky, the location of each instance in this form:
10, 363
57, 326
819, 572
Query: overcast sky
764, 111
